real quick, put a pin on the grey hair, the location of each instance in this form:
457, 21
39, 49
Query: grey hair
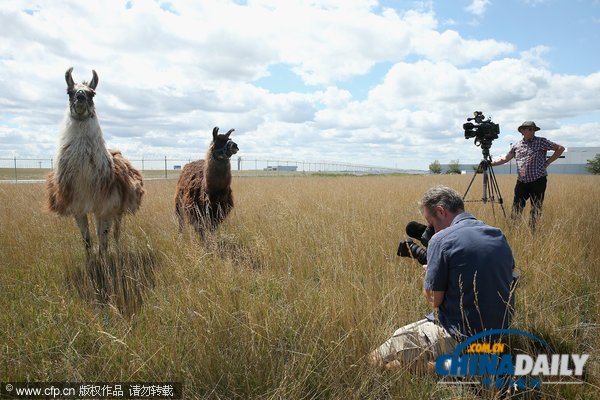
443, 196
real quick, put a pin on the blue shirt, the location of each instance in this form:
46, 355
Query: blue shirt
472, 263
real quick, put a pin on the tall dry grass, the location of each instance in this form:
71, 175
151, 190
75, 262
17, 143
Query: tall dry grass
286, 300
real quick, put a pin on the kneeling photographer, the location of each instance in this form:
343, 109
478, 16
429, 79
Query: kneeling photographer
468, 281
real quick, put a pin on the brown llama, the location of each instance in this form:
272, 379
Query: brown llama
203, 196
88, 177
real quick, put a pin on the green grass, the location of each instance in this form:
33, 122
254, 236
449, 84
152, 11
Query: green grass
298, 285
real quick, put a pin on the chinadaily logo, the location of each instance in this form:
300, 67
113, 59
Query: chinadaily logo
480, 361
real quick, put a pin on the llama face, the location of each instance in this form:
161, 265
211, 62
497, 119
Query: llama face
231, 148
223, 147
81, 102
81, 96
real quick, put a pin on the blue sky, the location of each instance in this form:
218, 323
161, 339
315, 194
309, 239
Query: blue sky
386, 83
569, 29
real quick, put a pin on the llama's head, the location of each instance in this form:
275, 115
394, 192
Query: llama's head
81, 96
222, 147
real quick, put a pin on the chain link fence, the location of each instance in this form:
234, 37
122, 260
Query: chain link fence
35, 169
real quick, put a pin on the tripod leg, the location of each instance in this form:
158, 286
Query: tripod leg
490, 185
488, 189
486, 183
496, 189
470, 183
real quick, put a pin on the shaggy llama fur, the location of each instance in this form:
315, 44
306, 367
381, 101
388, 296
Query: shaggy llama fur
203, 196
88, 177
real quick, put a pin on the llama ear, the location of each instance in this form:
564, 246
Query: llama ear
94, 81
69, 79
215, 132
229, 133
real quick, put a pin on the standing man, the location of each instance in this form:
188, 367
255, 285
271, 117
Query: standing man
530, 154
468, 281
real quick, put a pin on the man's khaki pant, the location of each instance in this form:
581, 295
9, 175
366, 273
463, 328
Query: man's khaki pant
414, 345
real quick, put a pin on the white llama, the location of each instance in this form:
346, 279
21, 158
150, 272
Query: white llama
87, 177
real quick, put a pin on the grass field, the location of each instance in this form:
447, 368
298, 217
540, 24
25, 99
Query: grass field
286, 300
26, 174
30, 174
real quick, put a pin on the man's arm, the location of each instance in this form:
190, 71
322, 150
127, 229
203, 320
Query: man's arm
558, 150
503, 160
436, 274
434, 298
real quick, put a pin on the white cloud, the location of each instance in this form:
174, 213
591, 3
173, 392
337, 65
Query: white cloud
478, 7
168, 76
535, 56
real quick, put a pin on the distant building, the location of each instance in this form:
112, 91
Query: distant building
292, 168
176, 167
575, 160
572, 161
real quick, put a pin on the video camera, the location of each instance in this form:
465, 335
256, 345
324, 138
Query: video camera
408, 248
483, 130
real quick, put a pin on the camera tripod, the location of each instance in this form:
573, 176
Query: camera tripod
490, 184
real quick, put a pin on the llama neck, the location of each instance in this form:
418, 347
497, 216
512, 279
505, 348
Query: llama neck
82, 149
217, 173
87, 131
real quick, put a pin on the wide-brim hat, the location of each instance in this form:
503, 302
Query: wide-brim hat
528, 124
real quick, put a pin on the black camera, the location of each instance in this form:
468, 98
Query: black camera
408, 248
483, 130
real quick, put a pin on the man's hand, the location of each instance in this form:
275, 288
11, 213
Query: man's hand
404, 248
408, 248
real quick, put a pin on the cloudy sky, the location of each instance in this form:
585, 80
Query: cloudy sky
386, 83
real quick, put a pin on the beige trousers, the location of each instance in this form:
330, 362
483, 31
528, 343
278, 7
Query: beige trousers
414, 345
